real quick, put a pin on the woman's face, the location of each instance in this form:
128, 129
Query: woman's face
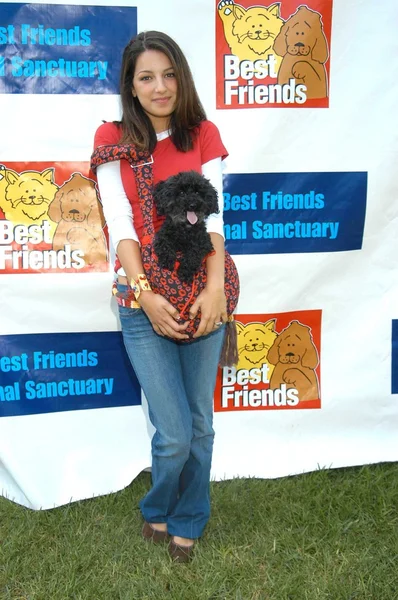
155, 87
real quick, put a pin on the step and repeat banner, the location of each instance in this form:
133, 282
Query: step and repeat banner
304, 95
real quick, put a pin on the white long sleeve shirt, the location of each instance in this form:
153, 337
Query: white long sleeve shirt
117, 208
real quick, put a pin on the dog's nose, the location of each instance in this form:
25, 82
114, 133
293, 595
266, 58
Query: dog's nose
32, 197
289, 353
74, 211
300, 44
258, 31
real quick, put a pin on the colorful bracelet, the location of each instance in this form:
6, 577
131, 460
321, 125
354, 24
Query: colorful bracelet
144, 283
141, 285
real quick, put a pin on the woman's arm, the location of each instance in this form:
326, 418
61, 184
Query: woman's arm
212, 170
115, 204
212, 301
119, 218
160, 312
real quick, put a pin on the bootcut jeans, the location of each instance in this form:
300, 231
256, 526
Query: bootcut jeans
178, 380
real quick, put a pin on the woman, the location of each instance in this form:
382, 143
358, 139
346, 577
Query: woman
163, 114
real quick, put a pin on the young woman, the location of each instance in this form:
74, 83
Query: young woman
163, 114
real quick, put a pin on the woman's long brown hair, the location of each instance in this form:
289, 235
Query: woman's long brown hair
188, 113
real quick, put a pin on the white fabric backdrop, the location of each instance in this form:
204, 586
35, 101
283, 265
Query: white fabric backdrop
49, 459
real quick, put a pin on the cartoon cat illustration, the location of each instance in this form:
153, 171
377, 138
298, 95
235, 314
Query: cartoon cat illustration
25, 197
254, 341
250, 33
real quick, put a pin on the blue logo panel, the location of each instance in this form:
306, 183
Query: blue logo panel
394, 362
55, 372
277, 213
56, 49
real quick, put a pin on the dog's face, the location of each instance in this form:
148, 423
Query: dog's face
294, 346
187, 198
302, 35
72, 207
76, 202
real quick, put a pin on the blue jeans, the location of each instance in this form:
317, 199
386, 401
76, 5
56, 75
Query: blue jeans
178, 380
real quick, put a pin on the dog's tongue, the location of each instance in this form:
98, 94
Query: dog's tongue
191, 216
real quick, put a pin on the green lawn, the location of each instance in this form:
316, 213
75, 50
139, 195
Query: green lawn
332, 534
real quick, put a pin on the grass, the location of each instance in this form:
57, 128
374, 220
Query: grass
327, 535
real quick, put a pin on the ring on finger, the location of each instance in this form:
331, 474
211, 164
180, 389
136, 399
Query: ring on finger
218, 324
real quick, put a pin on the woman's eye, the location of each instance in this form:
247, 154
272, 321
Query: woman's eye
170, 75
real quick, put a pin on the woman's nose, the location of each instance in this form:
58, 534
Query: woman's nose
160, 84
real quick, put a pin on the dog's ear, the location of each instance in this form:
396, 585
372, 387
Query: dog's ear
280, 43
160, 195
95, 217
54, 208
320, 51
99, 207
214, 202
273, 352
310, 357
211, 198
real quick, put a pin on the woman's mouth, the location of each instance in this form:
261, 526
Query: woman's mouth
161, 100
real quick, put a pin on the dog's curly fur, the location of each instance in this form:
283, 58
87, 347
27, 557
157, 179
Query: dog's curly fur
177, 198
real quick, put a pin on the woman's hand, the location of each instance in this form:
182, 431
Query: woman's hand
212, 304
163, 316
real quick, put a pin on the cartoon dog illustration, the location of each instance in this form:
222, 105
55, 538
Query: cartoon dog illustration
250, 33
80, 219
295, 358
304, 48
25, 197
254, 341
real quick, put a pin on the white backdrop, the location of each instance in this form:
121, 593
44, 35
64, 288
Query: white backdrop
49, 459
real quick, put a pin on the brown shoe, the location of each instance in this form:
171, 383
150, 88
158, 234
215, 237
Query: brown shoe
154, 535
180, 554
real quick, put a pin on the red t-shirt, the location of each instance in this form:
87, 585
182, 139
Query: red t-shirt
167, 161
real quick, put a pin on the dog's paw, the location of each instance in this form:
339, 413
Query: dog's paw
166, 255
301, 69
290, 376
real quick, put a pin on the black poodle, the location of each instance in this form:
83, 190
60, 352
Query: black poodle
186, 200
